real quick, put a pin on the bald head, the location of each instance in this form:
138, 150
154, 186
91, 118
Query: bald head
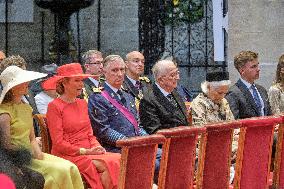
134, 64
2, 56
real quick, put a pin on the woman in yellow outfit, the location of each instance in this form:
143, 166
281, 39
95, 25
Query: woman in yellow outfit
17, 125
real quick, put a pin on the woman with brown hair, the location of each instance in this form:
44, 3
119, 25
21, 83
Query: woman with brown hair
16, 123
276, 91
72, 135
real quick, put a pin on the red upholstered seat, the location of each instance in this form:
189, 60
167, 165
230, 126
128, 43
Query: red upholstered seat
254, 152
278, 174
178, 159
215, 155
138, 157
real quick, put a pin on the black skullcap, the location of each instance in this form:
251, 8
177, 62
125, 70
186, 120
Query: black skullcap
217, 76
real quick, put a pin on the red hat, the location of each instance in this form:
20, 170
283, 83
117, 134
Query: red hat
6, 182
49, 84
71, 70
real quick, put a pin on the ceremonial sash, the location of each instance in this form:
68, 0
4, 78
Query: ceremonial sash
128, 115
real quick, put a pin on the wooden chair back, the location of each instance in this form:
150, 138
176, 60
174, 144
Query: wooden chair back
278, 173
254, 152
215, 155
138, 155
178, 158
44, 133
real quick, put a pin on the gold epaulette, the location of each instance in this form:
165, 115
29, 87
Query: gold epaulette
102, 78
146, 79
97, 89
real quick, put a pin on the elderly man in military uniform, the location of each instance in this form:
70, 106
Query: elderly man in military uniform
93, 64
134, 83
162, 107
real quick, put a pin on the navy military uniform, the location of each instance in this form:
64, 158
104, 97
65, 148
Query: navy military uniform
109, 124
89, 85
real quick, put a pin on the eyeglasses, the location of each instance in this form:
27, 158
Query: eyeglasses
98, 62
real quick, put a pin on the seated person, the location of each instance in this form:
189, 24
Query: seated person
13, 163
210, 106
48, 94
163, 107
71, 132
112, 111
16, 122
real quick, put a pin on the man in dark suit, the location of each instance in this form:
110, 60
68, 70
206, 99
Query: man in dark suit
134, 83
93, 64
162, 107
247, 99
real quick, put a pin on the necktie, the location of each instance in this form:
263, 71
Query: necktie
172, 99
256, 98
138, 85
121, 97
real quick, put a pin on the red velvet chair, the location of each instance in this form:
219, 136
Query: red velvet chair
254, 152
138, 157
178, 158
278, 173
215, 155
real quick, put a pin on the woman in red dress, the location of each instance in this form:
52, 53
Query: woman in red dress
72, 135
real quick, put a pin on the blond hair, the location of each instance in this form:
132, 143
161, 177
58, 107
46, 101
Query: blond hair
13, 61
244, 57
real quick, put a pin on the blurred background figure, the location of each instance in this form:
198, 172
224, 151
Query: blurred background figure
93, 64
276, 91
2, 56
47, 94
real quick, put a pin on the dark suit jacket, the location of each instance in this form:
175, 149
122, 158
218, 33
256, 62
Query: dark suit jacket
242, 103
156, 112
131, 89
109, 124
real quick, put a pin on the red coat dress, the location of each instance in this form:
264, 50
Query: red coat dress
70, 129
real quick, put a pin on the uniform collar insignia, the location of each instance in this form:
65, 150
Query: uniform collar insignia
146, 79
97, 89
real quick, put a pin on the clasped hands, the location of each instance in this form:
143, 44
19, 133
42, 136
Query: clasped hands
95, 150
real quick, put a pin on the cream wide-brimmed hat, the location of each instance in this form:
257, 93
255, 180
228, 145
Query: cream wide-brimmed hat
13, 76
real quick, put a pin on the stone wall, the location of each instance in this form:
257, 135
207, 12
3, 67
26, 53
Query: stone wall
257, 25
119, 31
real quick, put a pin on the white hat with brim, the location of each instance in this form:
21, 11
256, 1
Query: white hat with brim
13, 76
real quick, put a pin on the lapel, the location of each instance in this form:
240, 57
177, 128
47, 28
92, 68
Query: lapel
162, 99
180, 102
130, 87
89, 83
111, 93
245, 91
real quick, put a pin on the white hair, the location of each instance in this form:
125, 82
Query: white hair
213, 84
161, 67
